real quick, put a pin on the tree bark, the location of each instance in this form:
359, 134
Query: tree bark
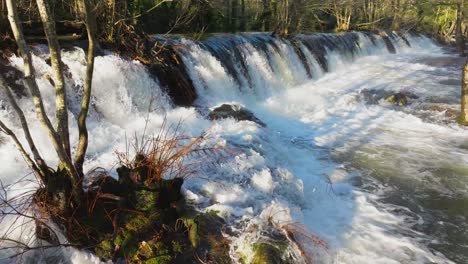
396, 15
61, 108
296, 13
463, 120
234, 15
460, 41
243, 23
29, 75
266, 14
90, 21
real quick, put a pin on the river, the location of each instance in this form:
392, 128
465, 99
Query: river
378, 182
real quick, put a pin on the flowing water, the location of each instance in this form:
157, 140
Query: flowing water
378, 183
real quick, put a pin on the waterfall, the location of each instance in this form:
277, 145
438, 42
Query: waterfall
320, 160
229, 67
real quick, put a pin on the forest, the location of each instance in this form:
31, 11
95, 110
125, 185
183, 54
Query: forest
440, 18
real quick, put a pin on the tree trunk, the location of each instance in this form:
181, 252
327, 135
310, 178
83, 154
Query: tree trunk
90, 21
266, 16
243, 23
110, 19
234, 15
396, 15
61, 107
460, 41
29, 75
296, 13
463, 120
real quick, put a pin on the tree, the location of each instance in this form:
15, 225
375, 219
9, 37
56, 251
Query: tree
68, 172
463, 119
460, 41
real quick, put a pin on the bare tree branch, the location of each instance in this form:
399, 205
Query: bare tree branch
19, 146
42, 166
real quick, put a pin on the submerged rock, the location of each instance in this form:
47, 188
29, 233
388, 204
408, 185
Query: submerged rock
400, 98
397, 99
388, 42
237, 112
374, 96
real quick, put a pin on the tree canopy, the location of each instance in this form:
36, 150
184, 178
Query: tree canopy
437, 17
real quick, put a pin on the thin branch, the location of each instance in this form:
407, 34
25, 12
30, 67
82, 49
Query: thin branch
19, 146
43, 168
143, 13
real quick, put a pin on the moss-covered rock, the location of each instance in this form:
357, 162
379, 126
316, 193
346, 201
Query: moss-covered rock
397, 99
401, 98
139, 219
269, 252
204, 232
235, 111
105, 249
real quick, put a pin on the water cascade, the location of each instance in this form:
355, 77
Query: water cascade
375, 181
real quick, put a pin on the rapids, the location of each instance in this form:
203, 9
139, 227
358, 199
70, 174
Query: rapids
378, 183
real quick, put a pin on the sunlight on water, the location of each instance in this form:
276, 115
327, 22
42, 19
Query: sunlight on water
379, 183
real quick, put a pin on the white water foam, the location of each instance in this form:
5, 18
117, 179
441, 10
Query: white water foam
289, 167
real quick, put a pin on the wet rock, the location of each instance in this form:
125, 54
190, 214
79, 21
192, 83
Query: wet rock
105, 184
397, 99
268, 252
302, 57
43, 232
446, 109
170, 72
237, 112
154, 225
405, 39
388, 42
400, 98
374, 96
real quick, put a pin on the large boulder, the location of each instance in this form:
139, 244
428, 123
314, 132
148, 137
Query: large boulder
237, 112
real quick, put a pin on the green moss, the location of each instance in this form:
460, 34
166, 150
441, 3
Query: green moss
192, 228
145, 250
146, 200
105, 249
461, 120
266, 253
243, 259
176, 247
127, 243
214, 213
145, 227
164, 259
397, 99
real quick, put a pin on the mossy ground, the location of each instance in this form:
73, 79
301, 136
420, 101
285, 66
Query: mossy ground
137, 222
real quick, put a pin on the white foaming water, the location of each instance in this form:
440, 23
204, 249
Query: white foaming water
320, 137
